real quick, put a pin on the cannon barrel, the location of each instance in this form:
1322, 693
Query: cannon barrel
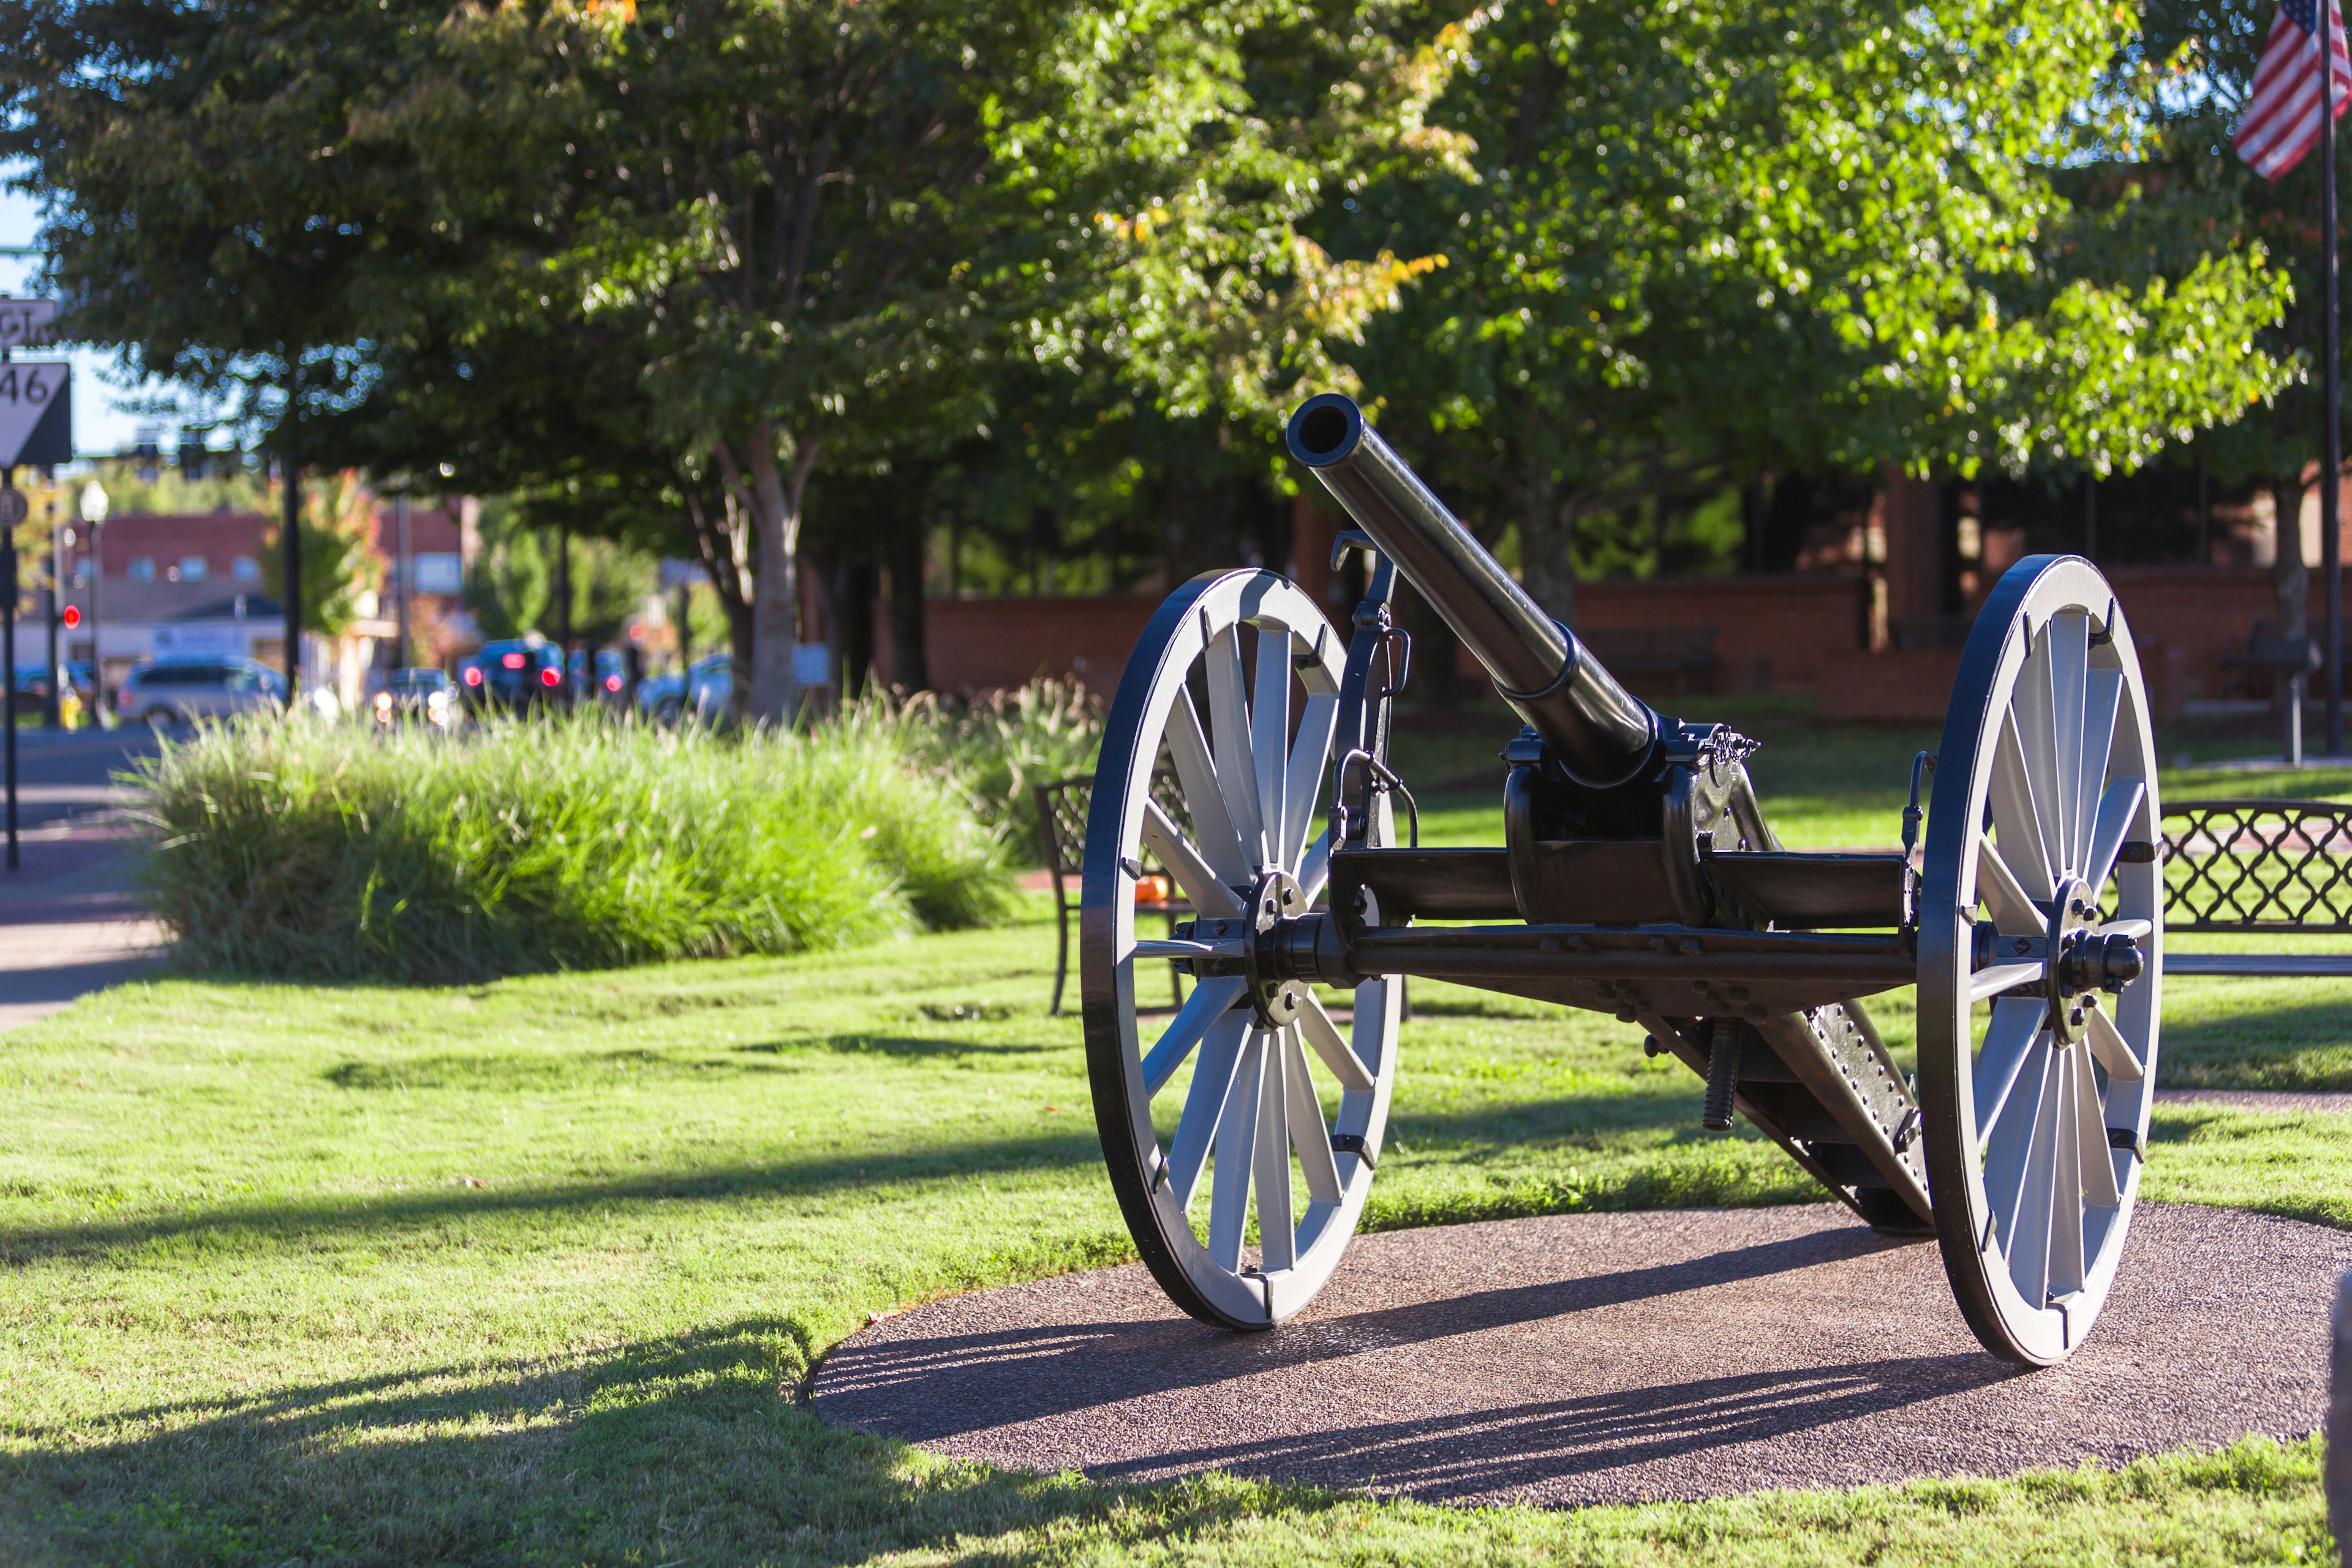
1603, 733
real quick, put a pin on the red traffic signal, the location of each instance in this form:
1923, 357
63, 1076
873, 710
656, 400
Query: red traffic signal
72, 616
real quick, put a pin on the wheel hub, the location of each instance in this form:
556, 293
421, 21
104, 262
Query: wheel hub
2070, 927
2082, 961
1276, 997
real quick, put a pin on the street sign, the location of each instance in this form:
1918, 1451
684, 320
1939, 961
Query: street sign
27, 323
36, 412
13, 508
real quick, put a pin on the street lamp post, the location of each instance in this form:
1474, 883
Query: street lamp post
52, 711
93, 513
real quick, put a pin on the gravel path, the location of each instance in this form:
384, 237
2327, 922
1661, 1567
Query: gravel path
1597, 1358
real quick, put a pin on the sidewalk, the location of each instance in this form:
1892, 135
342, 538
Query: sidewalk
70, 921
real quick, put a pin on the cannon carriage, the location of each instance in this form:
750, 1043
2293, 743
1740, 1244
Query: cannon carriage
1638, 876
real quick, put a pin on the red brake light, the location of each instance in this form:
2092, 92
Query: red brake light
513, 662
473, 676
549, 677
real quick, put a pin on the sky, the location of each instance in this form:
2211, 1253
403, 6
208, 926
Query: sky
101, 389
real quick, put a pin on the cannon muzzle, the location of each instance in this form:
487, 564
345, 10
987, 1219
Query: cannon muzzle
1600, 732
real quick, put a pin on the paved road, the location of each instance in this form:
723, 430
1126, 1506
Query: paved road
1600, 1358
71, 920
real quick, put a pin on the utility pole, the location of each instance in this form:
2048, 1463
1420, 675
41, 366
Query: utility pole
564, 609
2331, 474
52, 711
12, 513
291, 531
405, 563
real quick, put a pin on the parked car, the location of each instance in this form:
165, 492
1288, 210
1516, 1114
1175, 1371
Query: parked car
514, 672
184, 690
31, 694
610, 685
414, 696
706, 691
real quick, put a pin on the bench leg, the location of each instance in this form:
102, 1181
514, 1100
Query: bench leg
1061, 945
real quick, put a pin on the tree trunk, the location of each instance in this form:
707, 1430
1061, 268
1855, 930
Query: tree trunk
850, 587
2290, 579
1547, 570
909, 659
722, 534
772, 496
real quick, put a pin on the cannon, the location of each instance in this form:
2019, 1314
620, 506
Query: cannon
1246, 756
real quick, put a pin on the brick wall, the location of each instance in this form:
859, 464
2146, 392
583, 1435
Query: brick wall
1797, 633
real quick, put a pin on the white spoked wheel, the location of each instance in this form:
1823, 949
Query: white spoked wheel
1243, 1105
2040, 926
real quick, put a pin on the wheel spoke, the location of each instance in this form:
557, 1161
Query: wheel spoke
1315, 866
2114, 1052
2013, 913
2018, 814
1205, 1104
1237, 1143
1302, 787
1196, 771
2101, 696
1190, 869
1278, 1235
1992, 982
2008, 1143
2065, 1269
1324, 1035
1229, 738
1309, 1135
1270, 737
2070, 656
2117, 806
2098, 1160
2138, 930
2012, 1034
2029, 1255
1210, 1001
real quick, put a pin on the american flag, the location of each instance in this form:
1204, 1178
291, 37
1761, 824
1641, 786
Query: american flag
2283, 112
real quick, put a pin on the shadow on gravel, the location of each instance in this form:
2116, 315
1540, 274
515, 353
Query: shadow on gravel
938, 1388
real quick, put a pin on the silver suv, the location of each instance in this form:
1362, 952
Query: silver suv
185, 691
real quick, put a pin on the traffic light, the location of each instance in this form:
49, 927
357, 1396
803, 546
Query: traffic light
72, 616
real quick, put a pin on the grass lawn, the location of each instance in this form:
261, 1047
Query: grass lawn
534, 1272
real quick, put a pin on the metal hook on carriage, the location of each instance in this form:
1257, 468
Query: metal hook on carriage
1921, 766
1380, 777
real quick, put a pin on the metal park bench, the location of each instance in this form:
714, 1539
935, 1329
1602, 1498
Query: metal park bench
2249, 867
1062, 808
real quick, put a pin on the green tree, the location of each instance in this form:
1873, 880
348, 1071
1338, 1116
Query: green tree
342, 568
703, 244
511, 587
1707, 238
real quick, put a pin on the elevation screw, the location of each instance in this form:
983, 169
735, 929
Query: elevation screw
1722, 1075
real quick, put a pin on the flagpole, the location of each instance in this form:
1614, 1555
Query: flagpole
2331, 544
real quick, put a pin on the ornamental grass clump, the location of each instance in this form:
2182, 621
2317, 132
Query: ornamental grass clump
306, 849
1000, 744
